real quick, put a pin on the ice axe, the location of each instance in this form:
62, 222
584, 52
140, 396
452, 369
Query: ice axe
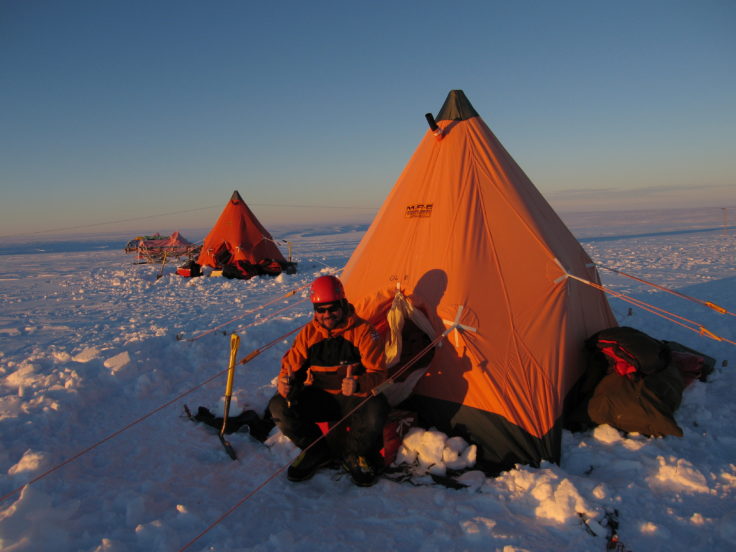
234, 344
163, 263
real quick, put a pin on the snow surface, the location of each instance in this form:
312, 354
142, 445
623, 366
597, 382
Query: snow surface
91, 368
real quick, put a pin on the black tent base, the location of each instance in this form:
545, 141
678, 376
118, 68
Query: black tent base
501, 444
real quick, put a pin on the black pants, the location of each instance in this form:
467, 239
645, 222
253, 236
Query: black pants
299, 421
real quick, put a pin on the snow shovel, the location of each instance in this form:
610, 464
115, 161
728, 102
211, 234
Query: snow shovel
234, 344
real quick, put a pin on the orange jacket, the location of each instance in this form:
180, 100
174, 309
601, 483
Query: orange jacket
320, 357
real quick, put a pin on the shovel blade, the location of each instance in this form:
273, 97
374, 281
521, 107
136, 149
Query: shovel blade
228, 447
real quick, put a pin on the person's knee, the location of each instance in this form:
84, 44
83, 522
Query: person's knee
373, 413
277, 407
377, 408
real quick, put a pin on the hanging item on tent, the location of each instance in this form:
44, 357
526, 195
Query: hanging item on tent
238, 237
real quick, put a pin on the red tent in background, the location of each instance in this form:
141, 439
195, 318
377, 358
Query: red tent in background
465, 234
238, 240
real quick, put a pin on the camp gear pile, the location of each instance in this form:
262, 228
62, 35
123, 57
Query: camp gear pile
634, 383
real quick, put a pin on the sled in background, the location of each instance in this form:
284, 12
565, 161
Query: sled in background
156, 248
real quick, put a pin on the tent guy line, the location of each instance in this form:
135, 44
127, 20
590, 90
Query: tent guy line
454, 326
250, 311
709, 304
110, 436
657, 311
246, 359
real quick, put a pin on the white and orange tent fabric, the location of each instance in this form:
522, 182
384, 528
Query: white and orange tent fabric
238, 236
467, 238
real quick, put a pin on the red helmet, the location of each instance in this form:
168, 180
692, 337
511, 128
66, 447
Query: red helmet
327, 289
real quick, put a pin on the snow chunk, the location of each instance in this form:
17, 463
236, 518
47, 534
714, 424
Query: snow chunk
473, 480
405, 455
650, 528
557, 499
61, 356
108, 545
90, 353
118, 362
434, 452
54, 533
560, 503
478, 527
10, 406
30, 462
679, 474
697, 519
430, 450
607, 434
23, 375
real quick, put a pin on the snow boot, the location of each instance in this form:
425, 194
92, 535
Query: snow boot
308, 462
360, 470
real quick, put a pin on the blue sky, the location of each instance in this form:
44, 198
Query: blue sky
130, 110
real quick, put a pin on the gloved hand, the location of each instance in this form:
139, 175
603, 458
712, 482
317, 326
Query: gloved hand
349, 383
284, 385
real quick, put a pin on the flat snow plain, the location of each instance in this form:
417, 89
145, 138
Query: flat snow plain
88, 346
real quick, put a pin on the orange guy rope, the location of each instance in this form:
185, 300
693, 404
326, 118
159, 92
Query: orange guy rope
699, 329
708, 304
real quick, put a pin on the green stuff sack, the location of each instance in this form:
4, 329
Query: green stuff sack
645, 405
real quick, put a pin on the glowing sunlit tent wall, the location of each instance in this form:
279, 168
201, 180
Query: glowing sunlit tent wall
238, 235
465, 227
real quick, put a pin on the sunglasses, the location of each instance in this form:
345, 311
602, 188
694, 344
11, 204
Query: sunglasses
331, 309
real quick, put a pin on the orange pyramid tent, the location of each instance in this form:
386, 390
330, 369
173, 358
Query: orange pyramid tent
466, 237
238, 236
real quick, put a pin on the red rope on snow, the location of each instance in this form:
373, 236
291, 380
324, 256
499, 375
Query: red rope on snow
259, 307
245, 360
271, 477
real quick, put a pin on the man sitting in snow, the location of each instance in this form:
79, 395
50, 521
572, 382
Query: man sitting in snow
334, 363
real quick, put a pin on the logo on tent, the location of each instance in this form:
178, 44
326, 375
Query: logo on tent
418, 210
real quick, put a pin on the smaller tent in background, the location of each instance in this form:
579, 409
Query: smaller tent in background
240, 245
